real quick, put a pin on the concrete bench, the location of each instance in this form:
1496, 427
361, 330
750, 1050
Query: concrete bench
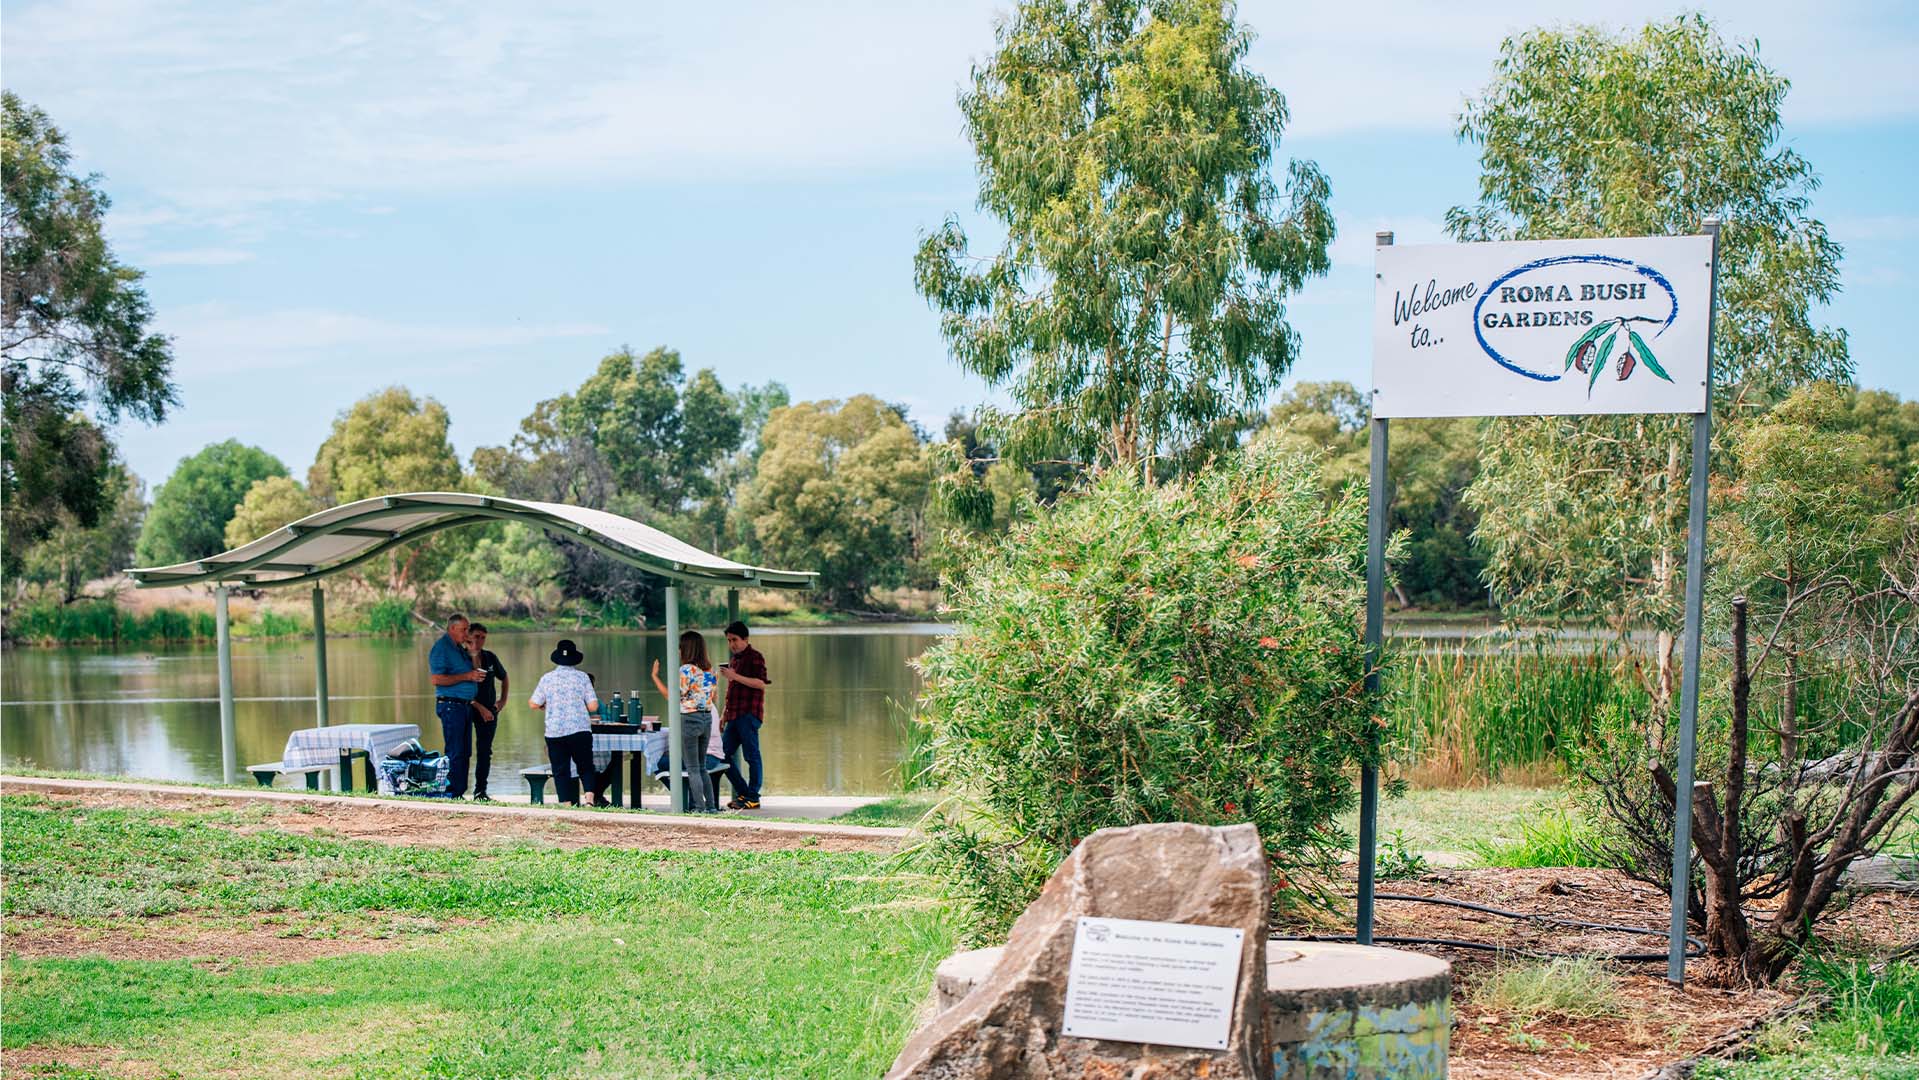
264, 773
711, 777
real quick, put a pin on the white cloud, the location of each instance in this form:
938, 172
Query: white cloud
211, 256
234, 118
214, 339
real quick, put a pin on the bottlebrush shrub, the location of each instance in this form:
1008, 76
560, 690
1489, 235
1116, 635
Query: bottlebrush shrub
1190, 652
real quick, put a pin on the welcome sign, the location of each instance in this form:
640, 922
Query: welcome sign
1545, 327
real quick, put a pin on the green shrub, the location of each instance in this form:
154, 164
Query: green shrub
1572, 988
390, 617
1556, 839
273, 624
1185, 653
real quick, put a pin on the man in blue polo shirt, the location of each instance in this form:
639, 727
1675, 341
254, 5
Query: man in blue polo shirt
455, 684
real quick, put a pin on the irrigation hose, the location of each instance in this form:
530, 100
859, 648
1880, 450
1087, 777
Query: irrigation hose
1695, 948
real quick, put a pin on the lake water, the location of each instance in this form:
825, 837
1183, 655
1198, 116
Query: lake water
834, 712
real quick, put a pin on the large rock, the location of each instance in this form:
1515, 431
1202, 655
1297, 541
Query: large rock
1009, 1026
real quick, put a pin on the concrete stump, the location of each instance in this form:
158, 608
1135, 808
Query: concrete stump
1333, 1010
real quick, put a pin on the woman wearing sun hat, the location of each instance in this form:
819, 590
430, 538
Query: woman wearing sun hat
565, 696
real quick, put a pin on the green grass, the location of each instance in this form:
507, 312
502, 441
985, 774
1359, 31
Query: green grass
903, 811
1576, 988
534, 962
1557, 838
1869, 1032
1454, 819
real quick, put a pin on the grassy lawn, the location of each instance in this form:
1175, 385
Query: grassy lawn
518, 960
1456, 820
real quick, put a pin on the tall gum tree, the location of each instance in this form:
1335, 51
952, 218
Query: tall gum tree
1138, 296
1585, 133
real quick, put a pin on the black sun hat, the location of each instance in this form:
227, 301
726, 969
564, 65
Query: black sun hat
567, 654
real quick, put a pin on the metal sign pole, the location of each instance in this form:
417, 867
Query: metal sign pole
1689, 686
1375, 634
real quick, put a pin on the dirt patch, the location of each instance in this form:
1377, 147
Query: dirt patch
260, 940
62, 1060
1656, 1023
414, 824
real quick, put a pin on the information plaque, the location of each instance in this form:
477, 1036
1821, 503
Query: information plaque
1171, 984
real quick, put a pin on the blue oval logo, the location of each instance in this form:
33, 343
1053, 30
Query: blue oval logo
1589, 315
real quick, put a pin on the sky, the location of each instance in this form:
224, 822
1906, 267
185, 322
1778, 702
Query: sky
477, 201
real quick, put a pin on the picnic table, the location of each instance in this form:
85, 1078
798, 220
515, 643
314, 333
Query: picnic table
610, 748
341, 743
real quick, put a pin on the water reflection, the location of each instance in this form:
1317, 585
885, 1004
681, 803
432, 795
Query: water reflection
832, 710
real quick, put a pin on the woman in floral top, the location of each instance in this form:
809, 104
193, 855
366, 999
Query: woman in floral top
697, 683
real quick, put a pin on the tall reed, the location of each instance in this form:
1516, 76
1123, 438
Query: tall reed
1463, 718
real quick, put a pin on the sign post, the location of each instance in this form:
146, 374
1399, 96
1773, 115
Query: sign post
1612, 326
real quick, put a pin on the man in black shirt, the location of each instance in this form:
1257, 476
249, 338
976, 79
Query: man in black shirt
488, 700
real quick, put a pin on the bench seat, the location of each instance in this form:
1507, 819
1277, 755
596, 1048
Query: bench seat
266, 771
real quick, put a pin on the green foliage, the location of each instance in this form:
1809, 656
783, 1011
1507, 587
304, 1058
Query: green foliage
388, 442
518, 560
390, 616
841, 489
1869, 1030
267, 505
94, 622
76, 323
1127, 150
1186, 653
1554, 839
73, 555
1432, 463
1571, 988
1586, 133
190, 512
1461, 717
1396, 860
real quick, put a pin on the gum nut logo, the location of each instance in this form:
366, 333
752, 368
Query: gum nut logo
1601, 301
1098, 932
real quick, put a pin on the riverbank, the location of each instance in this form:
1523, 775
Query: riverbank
183, 615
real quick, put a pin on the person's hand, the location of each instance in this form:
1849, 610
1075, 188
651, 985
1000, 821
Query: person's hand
476, 675
656, 667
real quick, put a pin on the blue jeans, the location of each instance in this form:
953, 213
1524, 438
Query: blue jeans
743, 735
456, 728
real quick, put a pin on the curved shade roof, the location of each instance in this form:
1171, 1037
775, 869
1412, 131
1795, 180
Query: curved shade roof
341, 537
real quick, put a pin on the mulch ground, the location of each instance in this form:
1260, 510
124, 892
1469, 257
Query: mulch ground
1656, 1023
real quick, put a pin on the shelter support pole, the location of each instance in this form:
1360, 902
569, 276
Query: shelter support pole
1689, 678
1375, 637
223, 629
319, 656
732, 606
674, 759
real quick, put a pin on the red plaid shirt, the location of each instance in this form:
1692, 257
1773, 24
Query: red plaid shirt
743, 700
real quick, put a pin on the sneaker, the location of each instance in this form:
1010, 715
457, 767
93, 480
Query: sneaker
482, 797
737, 803
750, 804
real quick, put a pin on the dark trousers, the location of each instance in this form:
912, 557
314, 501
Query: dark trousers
456, 723
572, 756
483, 732
742, 740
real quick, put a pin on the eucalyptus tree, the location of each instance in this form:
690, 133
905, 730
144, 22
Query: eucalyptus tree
1582, 133
1138, 298
75, 328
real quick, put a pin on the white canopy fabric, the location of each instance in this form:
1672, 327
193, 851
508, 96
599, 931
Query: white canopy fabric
341, 537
